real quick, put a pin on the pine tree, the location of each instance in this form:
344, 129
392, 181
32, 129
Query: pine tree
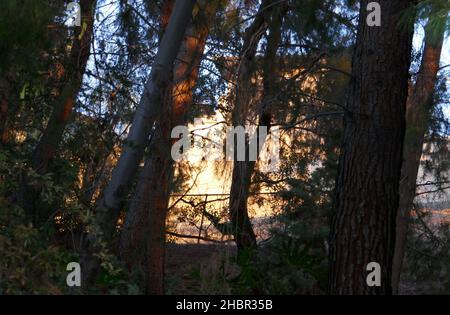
367, 186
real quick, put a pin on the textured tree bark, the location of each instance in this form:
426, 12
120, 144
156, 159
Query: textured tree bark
150, 107
144, 228
367, 186
418, 114
244, 235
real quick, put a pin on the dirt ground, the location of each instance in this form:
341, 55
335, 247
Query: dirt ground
187, 263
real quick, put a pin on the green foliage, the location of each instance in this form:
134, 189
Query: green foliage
251, 276
29, 21
283, 266
296, 267
294, 259
29, 264
34, 258
427, 267
434, 12
322, 23
437, 13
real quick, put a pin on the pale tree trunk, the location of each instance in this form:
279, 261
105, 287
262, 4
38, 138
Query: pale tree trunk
367, 185
243, 233
418, 114
149, 109
74, 68
143, 234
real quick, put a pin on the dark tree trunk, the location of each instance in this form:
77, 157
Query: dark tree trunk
367, 186
144, 233
148, 210
418, 114
74, 68
244, 235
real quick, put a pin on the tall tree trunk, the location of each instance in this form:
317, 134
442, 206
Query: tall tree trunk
143, 233
149, 109
244, 235
367, 186
74, 67
418, 114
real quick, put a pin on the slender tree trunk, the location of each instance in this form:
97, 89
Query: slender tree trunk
132, 248
418, 114
149, 109
74, 67
144, 229
367, 186
244, 235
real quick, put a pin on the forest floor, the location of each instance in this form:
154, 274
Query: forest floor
199, 268
206, 269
